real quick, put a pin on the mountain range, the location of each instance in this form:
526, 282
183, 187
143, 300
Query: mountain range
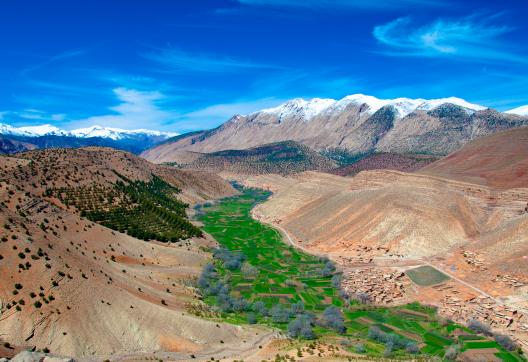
356, 124
18, 139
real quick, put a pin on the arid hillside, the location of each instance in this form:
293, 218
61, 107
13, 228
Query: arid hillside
498, 161
81, 289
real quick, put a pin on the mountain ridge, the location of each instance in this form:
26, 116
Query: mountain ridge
356, 124
13, 139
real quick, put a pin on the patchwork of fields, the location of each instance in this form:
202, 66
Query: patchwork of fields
284, 276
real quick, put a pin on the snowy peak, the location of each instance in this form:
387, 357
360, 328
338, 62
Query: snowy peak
116, 133
32, 131
94, 131
308, 109
519, 111
299, 107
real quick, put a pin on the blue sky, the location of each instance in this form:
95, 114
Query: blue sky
186, 65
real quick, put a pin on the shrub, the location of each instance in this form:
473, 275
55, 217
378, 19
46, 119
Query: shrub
37, 304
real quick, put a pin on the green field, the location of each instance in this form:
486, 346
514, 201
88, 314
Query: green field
426, 276
282, 275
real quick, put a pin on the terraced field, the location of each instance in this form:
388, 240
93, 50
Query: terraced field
255, 271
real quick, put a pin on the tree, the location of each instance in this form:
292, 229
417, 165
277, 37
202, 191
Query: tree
297, 308
260, 308
251, 318
333, 318
249, 271
452, 353
479, 327
336, 281
328, 269
412, 348
506, 342
279, 314
301, 327
362, 297
360, 348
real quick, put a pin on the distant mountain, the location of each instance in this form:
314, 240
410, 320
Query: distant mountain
280, 158
356, 124
520, 111
17, 139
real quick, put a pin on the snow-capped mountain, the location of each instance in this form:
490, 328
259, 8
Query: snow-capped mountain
16, 139
355, 124
308, 109
520, 111
94, 131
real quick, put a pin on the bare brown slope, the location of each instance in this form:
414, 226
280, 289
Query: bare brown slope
81, 289
499, 161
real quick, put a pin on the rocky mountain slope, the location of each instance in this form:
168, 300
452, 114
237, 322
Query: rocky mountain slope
81, 289
356, 124
20, 139
280, 158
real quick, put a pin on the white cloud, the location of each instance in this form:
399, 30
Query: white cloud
138, 109
471, 37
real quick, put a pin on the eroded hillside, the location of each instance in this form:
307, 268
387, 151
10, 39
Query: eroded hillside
78, 288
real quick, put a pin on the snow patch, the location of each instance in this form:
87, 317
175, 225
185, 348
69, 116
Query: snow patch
520, 111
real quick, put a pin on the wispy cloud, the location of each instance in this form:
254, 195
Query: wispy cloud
176, 60
476, 37
58, 57
31, 114
213, 115
343, 4
136, 110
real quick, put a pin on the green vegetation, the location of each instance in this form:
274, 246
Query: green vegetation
257, 278
426, 275
145, 210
